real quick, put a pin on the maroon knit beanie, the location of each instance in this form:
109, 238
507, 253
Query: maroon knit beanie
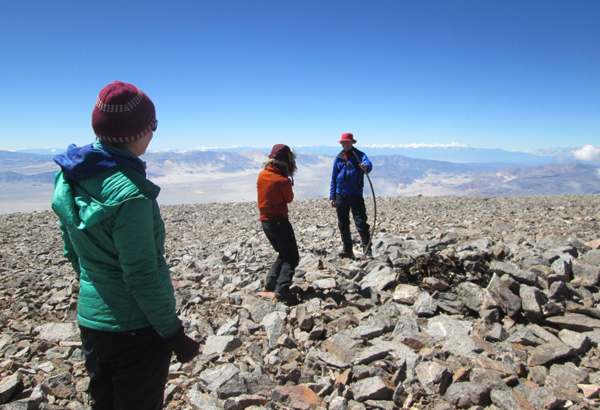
123, 113
282, 154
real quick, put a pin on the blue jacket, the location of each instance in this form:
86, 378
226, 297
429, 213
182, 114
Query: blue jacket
347, 178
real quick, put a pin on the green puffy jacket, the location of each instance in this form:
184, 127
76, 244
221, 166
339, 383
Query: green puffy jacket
114, 237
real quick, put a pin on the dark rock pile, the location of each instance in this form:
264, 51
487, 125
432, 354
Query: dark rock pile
487, 303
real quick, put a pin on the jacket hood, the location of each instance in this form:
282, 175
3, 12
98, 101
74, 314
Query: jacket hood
83, 162
93, 183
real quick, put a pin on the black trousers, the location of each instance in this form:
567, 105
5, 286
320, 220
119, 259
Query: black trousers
343, 205
127, 370
281, 235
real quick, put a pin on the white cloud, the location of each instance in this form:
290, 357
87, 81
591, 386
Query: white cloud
587, 153
451, 145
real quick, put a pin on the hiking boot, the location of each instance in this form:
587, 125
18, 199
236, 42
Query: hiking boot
346, 254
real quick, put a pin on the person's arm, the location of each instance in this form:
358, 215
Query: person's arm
367, 162
287, 190
134, 239
333, 186
68, 250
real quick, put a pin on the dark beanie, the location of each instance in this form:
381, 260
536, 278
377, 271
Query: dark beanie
123, 113
282, 155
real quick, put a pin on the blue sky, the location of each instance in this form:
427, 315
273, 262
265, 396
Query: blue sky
516, 75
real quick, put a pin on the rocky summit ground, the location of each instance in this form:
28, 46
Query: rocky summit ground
482, 303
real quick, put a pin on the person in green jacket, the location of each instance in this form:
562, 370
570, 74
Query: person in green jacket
113, 236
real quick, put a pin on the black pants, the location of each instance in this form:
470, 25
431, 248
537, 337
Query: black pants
281, 235
127, 370
343, 205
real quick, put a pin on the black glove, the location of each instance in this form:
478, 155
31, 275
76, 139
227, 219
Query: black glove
184, 347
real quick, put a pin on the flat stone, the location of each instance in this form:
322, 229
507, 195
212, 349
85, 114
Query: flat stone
221, 344
578, 341
372, 388
243, 402
576, 322
490, 378
406, 294
8, 386
58, 332
504, 400
215, 378
467, 394
590, 391
379, 279
549, 352
462, 345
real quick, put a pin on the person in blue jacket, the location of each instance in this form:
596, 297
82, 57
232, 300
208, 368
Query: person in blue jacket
346, 193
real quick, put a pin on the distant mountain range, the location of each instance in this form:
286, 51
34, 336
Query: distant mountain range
452, 153
230, 176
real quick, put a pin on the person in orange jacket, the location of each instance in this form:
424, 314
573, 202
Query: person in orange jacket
274, 187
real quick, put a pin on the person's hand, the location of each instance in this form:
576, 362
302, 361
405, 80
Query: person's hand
363, 166
332, 202
184, 347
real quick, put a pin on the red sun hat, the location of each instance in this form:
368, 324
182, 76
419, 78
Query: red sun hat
348, 137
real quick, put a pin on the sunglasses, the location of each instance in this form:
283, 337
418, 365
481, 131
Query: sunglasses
154, 125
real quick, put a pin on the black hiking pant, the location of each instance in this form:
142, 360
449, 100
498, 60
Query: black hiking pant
127, 370
281, 235
343, 205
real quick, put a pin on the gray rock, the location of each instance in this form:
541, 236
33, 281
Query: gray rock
203, 401
448, 302
592, 257
563, 379
504, 399
467, 394
526, 337
585, 275
406, 294
475, 297
379, 279
235, 386
532, 299
221, 344
274, 326
215, 378
230, 328
461, 345
504, 297
578, 341
489, 378
57, 332
549, 352
425, 306
244, 401
433, 377
371, 354
574, 321
8, 385
372, 388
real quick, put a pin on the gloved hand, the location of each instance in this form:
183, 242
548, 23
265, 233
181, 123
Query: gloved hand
184, 347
